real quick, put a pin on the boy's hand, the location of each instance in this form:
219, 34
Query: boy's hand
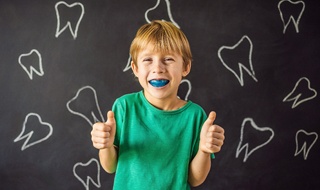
102, 134
211, 136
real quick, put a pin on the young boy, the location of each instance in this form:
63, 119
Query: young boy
152, 139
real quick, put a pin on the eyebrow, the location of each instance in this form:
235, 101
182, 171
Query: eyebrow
145, 54
148, 53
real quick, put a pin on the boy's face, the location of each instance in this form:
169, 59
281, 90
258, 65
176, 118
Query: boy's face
159, 73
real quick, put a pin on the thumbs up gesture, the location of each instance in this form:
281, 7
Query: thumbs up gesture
211, 136
102, 134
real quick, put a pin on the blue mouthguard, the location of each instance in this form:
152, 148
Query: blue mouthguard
158, 83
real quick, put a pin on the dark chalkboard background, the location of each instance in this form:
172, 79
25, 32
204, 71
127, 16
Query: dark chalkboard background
59, 153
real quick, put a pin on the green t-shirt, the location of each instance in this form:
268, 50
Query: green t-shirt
155, 146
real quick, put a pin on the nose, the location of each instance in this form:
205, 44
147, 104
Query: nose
158, 67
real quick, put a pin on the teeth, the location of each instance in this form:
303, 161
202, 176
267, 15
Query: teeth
87, 178
74, 31
295, 95
168, 8
245, 131
32, 69
305, 148
86, 95
288, 4
158, 83
239, 65
28, 136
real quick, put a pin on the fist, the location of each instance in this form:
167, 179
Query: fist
211, 136
102, 134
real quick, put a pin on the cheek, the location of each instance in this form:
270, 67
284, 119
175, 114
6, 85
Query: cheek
142, 74
178, 72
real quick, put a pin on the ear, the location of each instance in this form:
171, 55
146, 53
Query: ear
134, 68
187, 70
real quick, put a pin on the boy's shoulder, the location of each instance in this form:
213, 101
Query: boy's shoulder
129, 98
196, 107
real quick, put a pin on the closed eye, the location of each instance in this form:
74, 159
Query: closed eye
147, 60
168, 59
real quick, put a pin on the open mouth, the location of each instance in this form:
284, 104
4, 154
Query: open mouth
158, 83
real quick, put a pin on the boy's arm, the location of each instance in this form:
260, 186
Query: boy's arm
102, 136
199, 168
109, 159
211, 140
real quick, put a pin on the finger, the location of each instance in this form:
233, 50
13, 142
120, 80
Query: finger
99, 134
214, 135
99, 145
103, 140
216, 128
213, 148
100, 127
99, 140
215, 141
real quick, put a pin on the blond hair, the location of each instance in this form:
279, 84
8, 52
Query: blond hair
165, 37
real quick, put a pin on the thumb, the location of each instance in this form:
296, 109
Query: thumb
110, 118
204, 132
210, 119
111, 122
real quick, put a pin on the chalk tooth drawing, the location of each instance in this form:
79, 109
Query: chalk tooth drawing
27, 66
296, 20
189, 88
92, 112
74, 31
304, 148
168, 10
95, 180
241, 66
297, 97
246, 145
27, 136
128, 66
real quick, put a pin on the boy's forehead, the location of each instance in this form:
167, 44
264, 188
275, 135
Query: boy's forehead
150, 50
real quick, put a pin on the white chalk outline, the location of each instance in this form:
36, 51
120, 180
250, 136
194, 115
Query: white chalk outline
189, 88
168, 10
291, 18
32, 69
241, 66
246, 145
296, 98
92, 113
29, 135
128, 66
304, 146
74, 33
87, 183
